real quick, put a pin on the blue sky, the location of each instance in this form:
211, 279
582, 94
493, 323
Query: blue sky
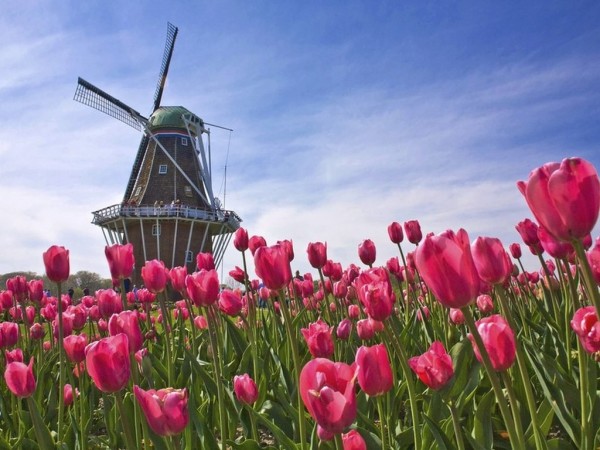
347, 115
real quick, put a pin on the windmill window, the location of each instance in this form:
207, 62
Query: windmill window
188, 191
189, 256
162, 169
137, 191
156, 230
184, 141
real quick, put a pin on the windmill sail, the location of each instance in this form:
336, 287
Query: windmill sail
164, 68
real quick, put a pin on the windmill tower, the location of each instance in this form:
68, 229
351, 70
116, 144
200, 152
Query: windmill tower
168, 211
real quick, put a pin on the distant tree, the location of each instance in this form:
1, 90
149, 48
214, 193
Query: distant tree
28, 275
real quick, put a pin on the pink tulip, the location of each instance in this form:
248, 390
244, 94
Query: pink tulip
68, 394
240, 239
344, 329
9, 334
375, 292
434, 367
255, 242
333, 270
74, 346
456, 316
554, 247
529, 233
447, 267
15, 355
367, 252
230, 302
395, 232
289, 248
364, 329
19, 378
238, 274
273, 266
120, 260
593, 257
498, 339
18, 286
107, 362
109, 302
564, 198
515, 250
36, 290
587, 327
485, 303
166, 410
327, 391
155, 275
245, 389
491, 260
205, 261
353, 311
373, 370
317, 254
352, 440
319, 340
177, 276
413, 231
200, 322
36, 332
203, 287
127, 322
56, 261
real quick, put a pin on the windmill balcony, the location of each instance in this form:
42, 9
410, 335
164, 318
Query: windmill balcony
113, 212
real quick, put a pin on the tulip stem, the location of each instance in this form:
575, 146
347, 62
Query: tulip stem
540, 443
408, 376
61, 362
212, 333
492, 375
251, 320
456, 425
382, 422
291, 332
339, 445
166, 323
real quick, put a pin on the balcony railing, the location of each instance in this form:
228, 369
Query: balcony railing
175, 211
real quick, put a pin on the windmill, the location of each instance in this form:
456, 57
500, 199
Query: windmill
169, 211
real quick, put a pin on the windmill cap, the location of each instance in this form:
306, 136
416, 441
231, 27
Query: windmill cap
172, 117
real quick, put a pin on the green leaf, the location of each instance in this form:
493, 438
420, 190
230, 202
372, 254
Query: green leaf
42, 433
441, 439
279, 434
482, 430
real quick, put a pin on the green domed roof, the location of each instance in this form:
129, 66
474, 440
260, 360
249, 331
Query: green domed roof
170, 117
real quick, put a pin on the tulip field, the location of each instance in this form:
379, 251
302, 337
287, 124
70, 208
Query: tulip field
451, 344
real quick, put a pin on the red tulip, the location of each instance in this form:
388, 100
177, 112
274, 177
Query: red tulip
319, 340
205, 261
413, 231
6, 299
456, 316
240, 239
447, 267
238, 274
15, 355
120, 260
434, 367
19, 378
203, 287
317, 254
36, 331
107, 362
499, 341
395, 232
273, 266
177, 276
56, 261
69, 393
327, 391
109, 302
564, 198
529, 233
491, 260
127, 322
200, 322
352, 440
323, 434
587, 327
166, 410
333, 270
367, 252
155, 275
18, 286
375, 292
9, 334
230, 302
74, 346
289, 248
373, 370
245, 389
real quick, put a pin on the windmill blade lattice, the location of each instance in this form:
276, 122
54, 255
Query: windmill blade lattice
164, 68
90, 95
